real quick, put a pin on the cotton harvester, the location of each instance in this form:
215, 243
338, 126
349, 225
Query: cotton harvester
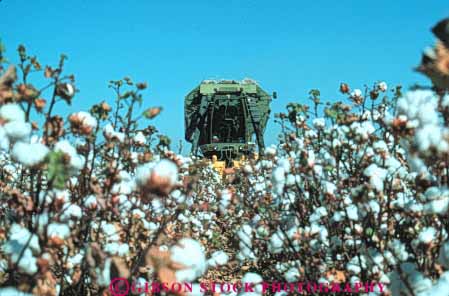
224, 118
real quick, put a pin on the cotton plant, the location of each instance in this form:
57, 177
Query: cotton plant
80, 193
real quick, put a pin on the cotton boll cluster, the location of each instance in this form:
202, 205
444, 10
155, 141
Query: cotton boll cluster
411, 278
189, 254
218, 258
382, 86
13, 127
76, 161
159, 177
11, 291
22, 246
245, 236
140, 139
427, 235
356, 93
58, 232
29, 154
319, 123
112, 135
276, 243
419, 109
376, 176
225, 200
126, 184
83, 123
279, 176
256, 281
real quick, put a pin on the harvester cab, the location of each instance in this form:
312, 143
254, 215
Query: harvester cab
225, 120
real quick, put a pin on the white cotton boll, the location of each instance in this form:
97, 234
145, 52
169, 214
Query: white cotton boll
71, 211
140, 138
278, 175
290, 181
441, 286
415, 280
138, 213
245, 234
182, 218
355, 265
382, 86
4, 141
336, 143
352, 212
428, 136
157, 206
319, 123
337, 217
270, 151
27, 263
318, 170
218, 258
292, 275
427, 235
87, 119
111, 134
311, 134
17, 130
158, 176
76, 161
329, 188
318, 214
285, 164
419, 105
433, 193
445, 101
439, 206
112, 248
11, 291
123, 187
356, 93
104, 274
75, 260
255, 279
151, 226
245, 253
29, 154
12, 112
178, 196
225, 200
380, 146
323, 234
376, 176
188, 253
59, 230
19, 237
276, 243
90, 202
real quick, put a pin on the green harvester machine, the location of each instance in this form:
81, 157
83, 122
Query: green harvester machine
224, 119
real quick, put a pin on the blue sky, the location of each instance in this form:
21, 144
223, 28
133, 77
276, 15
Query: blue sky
288, 46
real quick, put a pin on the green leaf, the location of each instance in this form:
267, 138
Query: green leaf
57, 170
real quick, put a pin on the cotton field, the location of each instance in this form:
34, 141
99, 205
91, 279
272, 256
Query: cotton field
354, 191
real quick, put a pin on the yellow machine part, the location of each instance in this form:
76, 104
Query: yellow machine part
220, 166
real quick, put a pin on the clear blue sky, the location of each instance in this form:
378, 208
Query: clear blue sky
288, 46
